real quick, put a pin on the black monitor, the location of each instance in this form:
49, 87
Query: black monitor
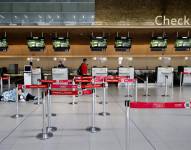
98, 43
28, 68
36, 43
61, 43
3, 44
182, 43
123, 43
158, 43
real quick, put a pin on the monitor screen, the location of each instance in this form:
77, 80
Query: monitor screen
61, 44
158, 43
3, 44
123, 43
27, 68
36, 43
183, 43
98, 43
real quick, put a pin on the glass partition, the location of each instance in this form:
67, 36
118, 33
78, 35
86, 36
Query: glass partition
47, 12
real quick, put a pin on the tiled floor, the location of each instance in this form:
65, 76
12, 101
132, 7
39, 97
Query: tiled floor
149, 129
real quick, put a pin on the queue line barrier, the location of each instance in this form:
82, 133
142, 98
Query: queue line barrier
149, 105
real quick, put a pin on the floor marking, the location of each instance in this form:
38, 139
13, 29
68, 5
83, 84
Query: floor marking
12, 131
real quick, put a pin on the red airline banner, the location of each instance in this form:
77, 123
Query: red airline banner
145, 105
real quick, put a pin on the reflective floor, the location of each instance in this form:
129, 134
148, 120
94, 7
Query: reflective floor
150, 129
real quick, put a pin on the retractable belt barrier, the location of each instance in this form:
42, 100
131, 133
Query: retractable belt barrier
5, 78
150, 105
158, 105
55, 81
88, 86
76, 92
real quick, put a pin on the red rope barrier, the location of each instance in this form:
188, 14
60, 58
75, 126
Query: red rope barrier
145, 105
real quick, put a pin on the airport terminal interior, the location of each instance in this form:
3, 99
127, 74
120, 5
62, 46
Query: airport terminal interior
95, 75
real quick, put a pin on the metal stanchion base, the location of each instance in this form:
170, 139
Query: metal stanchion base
71, 103
128, 96
101, 102
53, 129
93, 129
53, 115
17, 116
36, 103
146, 95
165, 95
44, 136
104, 114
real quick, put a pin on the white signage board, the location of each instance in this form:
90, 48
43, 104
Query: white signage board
187, 77
126, 72
60, 73
99, 71
36, 75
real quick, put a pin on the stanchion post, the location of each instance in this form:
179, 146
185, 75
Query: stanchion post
166, 87
1, 85
104, 113
181, 74
136, 92
74, 96
147, 87
9, 82
39, 95
49, 112
44, 135
127, 124
93, 129
17, 115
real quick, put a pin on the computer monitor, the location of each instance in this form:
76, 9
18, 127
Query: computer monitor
28, 68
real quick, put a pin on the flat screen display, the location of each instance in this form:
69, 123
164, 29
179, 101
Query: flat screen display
36, 43
183, 43
3, 44
123, 43
158, 43
98, 43
61, 44
27, 68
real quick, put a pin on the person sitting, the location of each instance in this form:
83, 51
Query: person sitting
11, 96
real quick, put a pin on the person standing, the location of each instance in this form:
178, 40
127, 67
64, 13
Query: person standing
61, 65
83, 69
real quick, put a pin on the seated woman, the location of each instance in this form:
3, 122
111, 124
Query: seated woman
11, 96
